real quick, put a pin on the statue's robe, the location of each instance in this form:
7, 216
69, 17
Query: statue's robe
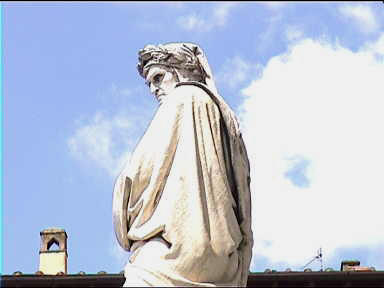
182, 204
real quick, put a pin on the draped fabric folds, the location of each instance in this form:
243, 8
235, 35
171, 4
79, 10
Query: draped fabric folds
182, 204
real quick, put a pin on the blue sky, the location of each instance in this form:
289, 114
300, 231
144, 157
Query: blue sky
305, 80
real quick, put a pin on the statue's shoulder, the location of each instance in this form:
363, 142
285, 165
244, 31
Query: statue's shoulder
194, 89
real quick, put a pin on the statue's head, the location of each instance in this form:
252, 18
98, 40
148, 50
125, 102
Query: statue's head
163, 66
161, 81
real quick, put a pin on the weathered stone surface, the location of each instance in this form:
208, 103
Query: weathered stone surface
182, 204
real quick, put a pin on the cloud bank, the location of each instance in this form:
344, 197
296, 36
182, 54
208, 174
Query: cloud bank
313, 123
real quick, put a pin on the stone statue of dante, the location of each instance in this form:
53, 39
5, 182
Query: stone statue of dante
182, 204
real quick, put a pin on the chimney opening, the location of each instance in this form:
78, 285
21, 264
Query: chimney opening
54, 244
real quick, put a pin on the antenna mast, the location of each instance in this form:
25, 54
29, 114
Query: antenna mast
319, 257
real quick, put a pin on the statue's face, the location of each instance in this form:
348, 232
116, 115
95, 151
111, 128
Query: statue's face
161, 81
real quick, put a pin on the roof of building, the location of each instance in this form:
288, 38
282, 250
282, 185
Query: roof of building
268, 278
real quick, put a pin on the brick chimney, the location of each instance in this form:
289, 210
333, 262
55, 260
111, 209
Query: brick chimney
53, 261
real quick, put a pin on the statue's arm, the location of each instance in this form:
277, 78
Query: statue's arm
120, 199
147, 169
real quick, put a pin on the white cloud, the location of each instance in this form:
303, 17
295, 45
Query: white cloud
106, 138
221, 13
103, 141
274, 5
193, 22
293, 33
376, 47
363, 15
322, 103
217, 18
236, 70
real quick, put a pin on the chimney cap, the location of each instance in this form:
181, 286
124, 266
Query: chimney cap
53, 230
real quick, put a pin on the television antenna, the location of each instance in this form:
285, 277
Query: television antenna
319, 257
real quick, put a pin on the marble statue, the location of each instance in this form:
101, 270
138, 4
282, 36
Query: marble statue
182, 204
